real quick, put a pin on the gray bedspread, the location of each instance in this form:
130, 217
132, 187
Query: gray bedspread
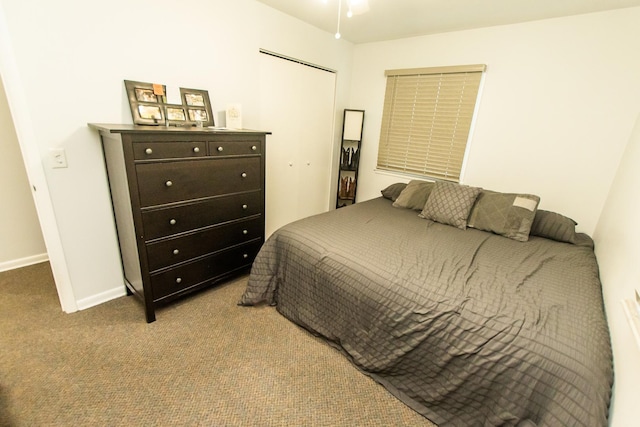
466, 327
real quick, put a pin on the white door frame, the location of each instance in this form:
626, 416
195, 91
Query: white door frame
290, 165
34, 167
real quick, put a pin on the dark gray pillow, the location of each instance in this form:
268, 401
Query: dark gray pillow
507, 214
450, 203
393, 191
414, 195
554, 226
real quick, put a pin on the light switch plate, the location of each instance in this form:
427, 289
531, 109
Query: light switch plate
58, 158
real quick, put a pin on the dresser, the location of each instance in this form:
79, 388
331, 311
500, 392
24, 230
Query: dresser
188, 205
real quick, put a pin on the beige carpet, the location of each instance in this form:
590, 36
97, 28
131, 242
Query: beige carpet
205, 361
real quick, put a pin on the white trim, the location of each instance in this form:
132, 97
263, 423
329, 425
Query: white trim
101, 298
633, 317
298, 61
472, 129
33, 164
23, 262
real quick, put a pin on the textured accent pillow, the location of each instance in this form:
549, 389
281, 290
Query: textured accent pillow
554, 226
415, 195
450, 203
393, 191
507, 214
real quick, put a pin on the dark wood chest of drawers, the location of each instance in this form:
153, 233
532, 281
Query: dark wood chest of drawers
188, 205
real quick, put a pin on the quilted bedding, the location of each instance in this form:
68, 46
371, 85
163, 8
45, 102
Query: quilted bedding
466, 327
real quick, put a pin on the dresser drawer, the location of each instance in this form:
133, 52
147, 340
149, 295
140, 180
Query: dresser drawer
167, 252
204, 270
178, 219
168, 150
234, 148
160, 183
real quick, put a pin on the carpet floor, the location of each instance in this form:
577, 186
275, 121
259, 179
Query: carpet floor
204, 362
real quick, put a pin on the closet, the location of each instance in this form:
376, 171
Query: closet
297, 106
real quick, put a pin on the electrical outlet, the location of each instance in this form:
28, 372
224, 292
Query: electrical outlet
58, 158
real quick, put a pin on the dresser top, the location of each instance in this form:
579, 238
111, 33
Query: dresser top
130, 128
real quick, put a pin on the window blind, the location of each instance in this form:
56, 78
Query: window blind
426, 120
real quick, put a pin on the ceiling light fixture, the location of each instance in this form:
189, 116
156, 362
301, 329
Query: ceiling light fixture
339, 14
354, 7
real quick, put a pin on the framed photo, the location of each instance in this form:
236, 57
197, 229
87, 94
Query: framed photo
194, 99
145, 95
199, 100
145, 101
175, 113
198, 115
150, 112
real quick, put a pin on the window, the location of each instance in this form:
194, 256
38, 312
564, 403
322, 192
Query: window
426, 120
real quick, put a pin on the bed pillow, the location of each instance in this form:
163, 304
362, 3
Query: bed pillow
507, 214
450, 203
414, 195
393, 191
554, 226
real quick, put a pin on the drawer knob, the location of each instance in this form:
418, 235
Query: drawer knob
254, 148
244, 206
168, 183
245, 232
196, 149
245, 256
244, 174
148, 151
220, 148
179, 280
173, 221
176, 251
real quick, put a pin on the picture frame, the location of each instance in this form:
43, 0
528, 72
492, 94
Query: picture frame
150, 112
198, 115
146, 102
198, 105
352, 125
145, 95
176, 114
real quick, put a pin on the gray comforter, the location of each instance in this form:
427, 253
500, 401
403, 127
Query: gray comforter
466, 327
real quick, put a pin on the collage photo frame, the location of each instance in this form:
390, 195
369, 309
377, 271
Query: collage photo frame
148, 103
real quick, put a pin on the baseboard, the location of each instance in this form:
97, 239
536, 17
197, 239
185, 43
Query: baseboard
23, 262
101, 298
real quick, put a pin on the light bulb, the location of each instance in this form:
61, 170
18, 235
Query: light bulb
338, 36
349, 13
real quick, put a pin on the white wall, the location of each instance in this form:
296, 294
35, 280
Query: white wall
21, 240
617, 248
558, 104
560, 100
72, 57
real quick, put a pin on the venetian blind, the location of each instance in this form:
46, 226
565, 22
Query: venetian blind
426, 120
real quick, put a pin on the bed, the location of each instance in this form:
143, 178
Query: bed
465, 326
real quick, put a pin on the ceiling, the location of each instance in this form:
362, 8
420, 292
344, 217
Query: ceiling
394, 19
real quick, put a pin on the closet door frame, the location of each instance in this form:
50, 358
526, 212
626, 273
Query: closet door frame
297, 105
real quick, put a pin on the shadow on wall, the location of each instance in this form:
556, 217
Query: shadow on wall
617, 243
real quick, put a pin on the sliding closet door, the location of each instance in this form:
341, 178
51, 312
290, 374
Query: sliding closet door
297, 106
